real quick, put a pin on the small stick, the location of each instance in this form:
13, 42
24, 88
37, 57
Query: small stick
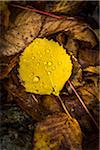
33, 96
64, 107
38, 11
86, 109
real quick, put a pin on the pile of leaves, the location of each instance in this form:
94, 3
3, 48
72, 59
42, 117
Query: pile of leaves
52, 128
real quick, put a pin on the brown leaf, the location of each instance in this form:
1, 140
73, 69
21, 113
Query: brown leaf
58, 132
23, 99
72, 46
78, 29
29, 25
68, 7
90, 96
88, 57
51, 104
25, 28
8, 66
92, 69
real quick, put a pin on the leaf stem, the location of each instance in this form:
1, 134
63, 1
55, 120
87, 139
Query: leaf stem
64, 107
38, 11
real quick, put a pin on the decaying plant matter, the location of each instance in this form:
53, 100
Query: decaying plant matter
60, 122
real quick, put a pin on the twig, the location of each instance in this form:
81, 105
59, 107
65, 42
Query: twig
33, 96
64, 107
86, 109
38, 11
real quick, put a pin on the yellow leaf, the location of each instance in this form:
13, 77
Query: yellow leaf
44, 67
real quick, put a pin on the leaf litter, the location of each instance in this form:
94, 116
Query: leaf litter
22, 32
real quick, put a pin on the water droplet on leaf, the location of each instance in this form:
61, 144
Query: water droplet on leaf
60, 63
48, 51
49, 72
36, 79
33, 57
53, 68
49, 63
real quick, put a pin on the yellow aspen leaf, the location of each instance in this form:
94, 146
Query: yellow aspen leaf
44, 67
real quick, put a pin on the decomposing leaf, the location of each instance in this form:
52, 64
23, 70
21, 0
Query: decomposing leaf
25, 28
76, 77
91, 74
44, 67
88, 56
5, 13
68, 7
29, 25
51, 104
90, 95
89, 90
92, 69
24, 100
58, 132
72, 46
7, 67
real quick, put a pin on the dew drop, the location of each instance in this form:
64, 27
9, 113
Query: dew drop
48, 51
49, 63
53, 68
36, 79
37, 42
60, 63
49, 72
33, 57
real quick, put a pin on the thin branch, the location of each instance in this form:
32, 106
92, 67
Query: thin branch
64, 107
86, 109
35, 99
38, 11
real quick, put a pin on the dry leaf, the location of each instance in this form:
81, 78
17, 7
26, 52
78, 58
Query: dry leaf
88, 57
5, 13
29, 25
58, 132
8, 66
51, 104
68, 7
90, 96
92, 69
25, 28
24, 100
72, 46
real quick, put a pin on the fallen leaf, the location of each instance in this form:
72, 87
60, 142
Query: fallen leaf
90, 96
92, 69
68, 7
23, 99
24, 30
29, 25
8, 66
88, 57
58, 132
51, 104
5, 13
50, 67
